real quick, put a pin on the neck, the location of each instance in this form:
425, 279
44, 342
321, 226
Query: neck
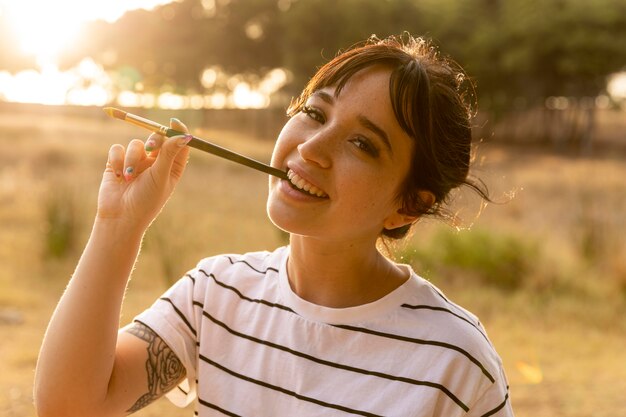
340, 274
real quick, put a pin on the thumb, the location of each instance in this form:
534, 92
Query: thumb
180, 160
172, 158
173, 155
178, 125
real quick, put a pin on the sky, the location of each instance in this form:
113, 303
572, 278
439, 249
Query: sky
43, 27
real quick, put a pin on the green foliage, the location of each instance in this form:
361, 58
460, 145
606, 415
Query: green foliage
501, 260
315, 30
517, 51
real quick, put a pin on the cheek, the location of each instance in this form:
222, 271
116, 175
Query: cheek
357, 187
284, 143
368, 194
276, 153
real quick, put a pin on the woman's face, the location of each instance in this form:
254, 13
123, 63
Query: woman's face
347, 158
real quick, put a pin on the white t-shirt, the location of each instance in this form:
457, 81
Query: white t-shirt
252, 347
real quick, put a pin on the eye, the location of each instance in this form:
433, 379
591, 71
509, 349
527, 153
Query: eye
365, 145
314, 113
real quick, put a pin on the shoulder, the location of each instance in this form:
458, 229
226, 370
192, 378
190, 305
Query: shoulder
251, 263
435, 314
455, 337
235, 270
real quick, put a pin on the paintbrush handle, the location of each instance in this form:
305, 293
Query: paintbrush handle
230, 155
195, 142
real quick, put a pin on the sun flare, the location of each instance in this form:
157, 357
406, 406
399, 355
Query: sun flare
44, 28
38, 34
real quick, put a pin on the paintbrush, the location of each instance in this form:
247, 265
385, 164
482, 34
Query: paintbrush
195, 142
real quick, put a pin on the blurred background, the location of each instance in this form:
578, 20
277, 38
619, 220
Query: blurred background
544, 268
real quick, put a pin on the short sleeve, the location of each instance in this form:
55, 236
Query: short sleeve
172, 318
495, 401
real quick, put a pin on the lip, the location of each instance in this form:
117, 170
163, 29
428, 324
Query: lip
292, 194
306, 177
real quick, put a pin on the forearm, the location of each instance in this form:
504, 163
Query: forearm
78, 351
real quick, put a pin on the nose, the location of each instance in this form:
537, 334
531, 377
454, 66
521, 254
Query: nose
317, 149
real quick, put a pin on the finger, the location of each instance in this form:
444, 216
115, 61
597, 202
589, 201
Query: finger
172, 158
135, 153
154, 143
178, 125
115, 161
155, 140
180, 161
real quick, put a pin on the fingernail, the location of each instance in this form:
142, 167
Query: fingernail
128, 174
150, 144
184, 140
118, 173
175, 120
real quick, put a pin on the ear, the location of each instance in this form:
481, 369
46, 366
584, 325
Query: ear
399, 218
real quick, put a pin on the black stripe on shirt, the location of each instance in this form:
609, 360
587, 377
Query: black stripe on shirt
411, 381
427, 307
421, 342
286, 391
360, 329
251, 267
499, 407
181, 315
450, 303
401, 379
243, 297
216, 408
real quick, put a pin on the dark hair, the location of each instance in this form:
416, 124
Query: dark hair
430, 98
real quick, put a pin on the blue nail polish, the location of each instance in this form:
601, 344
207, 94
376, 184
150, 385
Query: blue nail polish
128, 173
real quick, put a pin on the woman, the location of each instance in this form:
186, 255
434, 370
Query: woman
324, 326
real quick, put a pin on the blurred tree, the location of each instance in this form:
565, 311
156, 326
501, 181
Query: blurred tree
519, 52
314, 30
523, 52
247, 35
158, 45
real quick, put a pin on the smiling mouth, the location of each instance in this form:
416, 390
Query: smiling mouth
304, 186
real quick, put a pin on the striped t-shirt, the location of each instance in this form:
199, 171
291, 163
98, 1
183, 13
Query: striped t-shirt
253, 348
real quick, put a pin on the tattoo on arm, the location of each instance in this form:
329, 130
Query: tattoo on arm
163, 368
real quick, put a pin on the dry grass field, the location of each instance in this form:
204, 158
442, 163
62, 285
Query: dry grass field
545, 271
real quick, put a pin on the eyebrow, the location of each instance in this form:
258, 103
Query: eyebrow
365, 122
368, 124
324, 96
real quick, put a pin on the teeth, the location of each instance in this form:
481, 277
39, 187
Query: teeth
303, 185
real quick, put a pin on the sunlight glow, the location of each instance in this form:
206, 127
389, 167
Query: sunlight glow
531, 373
87, 84
616, 86
45, 28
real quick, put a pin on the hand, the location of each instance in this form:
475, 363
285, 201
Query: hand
139, 179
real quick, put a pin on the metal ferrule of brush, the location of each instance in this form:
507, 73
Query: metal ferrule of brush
146, 124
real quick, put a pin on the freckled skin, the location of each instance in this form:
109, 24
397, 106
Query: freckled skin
362, 189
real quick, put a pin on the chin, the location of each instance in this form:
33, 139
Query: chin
286, 221
280, 221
